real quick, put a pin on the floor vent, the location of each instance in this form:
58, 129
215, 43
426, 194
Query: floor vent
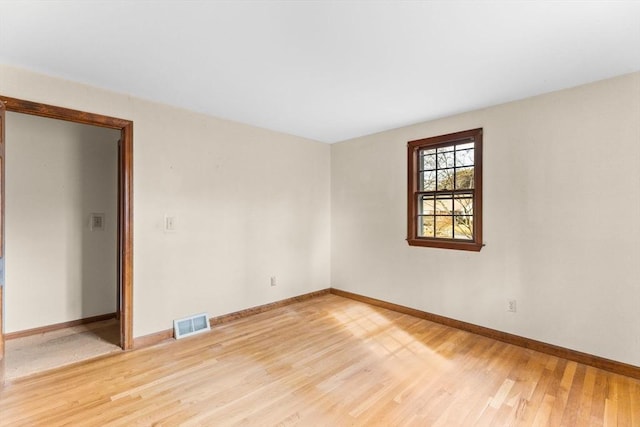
191, 325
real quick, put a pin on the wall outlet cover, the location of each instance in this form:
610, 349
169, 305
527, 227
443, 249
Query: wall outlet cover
169, 223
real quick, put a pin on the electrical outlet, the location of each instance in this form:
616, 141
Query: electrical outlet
169, 223
511, 305
273, 280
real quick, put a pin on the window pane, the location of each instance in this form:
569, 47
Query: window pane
464, 157
463, 205
429, 162
464, 146
444, 204
427, 181
464, 178
425, 226
427, 205
444, 227
463, 227
445, 159
445, 179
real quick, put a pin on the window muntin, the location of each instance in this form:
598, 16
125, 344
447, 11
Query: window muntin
445, 191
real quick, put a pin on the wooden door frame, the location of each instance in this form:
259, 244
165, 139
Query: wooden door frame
125, 197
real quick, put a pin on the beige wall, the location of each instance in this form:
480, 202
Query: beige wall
249, 204
561, 210
58, 174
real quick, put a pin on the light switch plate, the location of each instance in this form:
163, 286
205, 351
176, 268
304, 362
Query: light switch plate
97, 222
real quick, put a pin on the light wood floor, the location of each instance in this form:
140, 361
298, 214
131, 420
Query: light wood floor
328, 361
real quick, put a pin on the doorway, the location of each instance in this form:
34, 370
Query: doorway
124, 307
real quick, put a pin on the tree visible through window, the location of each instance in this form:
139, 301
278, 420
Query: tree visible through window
445, 191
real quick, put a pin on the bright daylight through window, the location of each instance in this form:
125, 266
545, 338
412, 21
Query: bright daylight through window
445, 191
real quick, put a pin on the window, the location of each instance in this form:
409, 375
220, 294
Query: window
445, 191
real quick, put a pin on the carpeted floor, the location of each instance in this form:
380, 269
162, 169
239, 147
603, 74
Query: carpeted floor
38, 353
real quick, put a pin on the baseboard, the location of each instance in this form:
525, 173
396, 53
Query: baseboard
49, 328
152, 339
158, 337
553, 350
218, 320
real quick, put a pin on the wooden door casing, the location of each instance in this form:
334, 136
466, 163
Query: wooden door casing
125, 197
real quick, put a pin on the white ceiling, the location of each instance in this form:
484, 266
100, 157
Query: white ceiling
325, 70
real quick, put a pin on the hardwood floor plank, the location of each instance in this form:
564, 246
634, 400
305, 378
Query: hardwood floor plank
544, 411
623, 403
599, 397
325, 361
562, 394
634, 402
573, 400
583, 414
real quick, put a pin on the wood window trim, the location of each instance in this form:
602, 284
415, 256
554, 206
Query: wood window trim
413, 148
125, 196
